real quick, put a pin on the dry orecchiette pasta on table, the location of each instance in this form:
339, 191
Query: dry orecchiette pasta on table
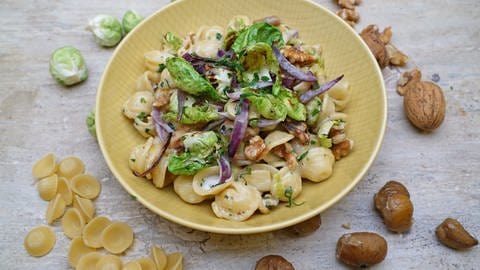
238, 116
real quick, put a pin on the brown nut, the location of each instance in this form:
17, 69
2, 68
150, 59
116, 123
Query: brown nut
398, 213
452, 234
361, 249
395, 56
373, 38
341, 149
390, 188
273, 262
298, 57
348, 15
350, 4
424, 105
407, 80
306, 227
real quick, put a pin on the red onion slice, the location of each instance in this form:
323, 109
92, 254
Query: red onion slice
234, 95
263, 123
180, 103
309, 95
159, 122
225, 169
163, 142
239, 128
214, 124
291, 69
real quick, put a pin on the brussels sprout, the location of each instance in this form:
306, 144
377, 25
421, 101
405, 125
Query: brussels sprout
106, 29
200, 144
67, 66
90, 121
130, 20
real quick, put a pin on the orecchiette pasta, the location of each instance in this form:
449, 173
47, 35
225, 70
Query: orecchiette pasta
110, 262
340, 94
259, 176
55, 209
39, 241
138, 105
92, 233
117, 237
159, 257
184, 188
160, 175
148, 81
77, 250
147, 263
47, 187
175, 261
70, 166
238, 202
85, 185
85, 206
133, 265
153, 59
44, 167
65, 190
89, 261
207, 182
286, 185
73, 223
317, 164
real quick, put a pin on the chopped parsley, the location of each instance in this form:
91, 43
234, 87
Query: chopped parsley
302, 156
143, 100
265, 78
288, 194
132, 160
161, 67
141, 116
147, 130
315, 112
218, 36
248, 171
133, 197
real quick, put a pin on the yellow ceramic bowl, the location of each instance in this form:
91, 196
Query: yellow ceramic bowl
344, 53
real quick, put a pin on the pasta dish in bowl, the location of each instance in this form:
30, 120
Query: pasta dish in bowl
242, 126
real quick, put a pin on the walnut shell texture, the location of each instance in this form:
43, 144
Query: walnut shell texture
273, 262
425, 105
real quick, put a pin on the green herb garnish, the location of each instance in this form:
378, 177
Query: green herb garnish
288, 194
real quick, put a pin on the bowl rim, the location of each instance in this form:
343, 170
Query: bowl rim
246, 230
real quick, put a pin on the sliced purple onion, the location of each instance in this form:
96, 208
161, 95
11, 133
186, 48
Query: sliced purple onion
239, 128
214, 124
261, 84
291, 69
159, 122
163, 141
309, 95
220, 53
234, 95
225, 169
180, 103
263, 123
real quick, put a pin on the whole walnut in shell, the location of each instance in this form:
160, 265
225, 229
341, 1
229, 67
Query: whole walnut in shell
425, 105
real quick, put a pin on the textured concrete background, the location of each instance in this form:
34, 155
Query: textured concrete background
441, 169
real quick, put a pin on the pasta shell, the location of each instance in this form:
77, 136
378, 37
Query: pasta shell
154, 58
139, 102
85, 185
317, 164
55, 209
44, 167
284, 180
70, 166
73, 223
64, 190
340, 93
117, 237
260, 176
147, 81
77, 250
92, 232
274, 160
277, 138
39, 241
147, 263
183, 186
206, 182
47, 187
238, 202
159, 257
133, 265
85, 206
110, 262
89, 261
175, 261
160, 175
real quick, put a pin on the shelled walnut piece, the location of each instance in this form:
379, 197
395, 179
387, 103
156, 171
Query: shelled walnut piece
424, 102
348, 12
379, 43
348, 4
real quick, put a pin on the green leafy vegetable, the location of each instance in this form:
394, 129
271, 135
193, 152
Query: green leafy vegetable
189, 80
170, 41
313, 108
256, 33
200, 144
67, 66
106, 29
268, 106
295, 109
130, 20
185, 163
302, 156
324, 141
259, 56
194, 115
288, 194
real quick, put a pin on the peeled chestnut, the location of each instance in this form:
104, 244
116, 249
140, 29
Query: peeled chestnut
452, 234
273, 262
361, 249
394, 205
306, 227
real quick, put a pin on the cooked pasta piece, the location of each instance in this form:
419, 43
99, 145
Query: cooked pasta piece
85, 206
287, 184
238, 202
144, 156
207, 182
47, 187
144, 126
274, 160
340, 94
117, 237
174, 261
39, 241
259, 176
146, 263
208, 41
110, 262
86, 186
44, 167
138, 105
77, 250
89, 261
277, 138
183, 186
73, 223
238, 23
317, 164
153, 59
166, 81
268, 202
159, 257
148, 81
92, 232
65, 190
55, 209
160, 175
70, 166
133, 265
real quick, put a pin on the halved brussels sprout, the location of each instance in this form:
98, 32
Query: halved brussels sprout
67, 66
130, 20
106, 29
90, 121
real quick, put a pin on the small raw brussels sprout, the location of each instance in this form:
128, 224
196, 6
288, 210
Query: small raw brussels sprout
90, 121
67, 66
130, 20
106, 29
